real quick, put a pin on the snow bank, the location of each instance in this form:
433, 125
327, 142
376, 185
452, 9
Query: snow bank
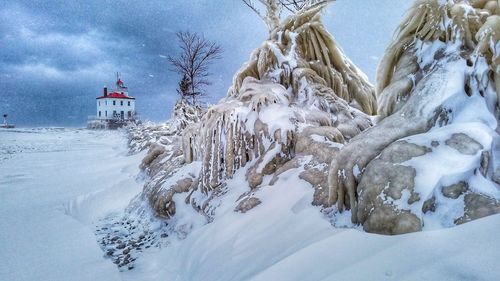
285, 238
44, 170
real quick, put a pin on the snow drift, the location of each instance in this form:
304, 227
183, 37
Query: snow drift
300, 115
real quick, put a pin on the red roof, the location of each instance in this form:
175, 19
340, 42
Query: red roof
116, 95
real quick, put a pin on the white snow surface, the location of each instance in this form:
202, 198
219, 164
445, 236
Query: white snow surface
285, 238
55, 176
46, 174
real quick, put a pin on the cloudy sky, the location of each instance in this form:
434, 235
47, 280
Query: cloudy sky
55, 56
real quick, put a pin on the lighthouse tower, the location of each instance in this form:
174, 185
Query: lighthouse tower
116, 104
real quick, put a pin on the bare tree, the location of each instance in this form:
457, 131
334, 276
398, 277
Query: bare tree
197, 53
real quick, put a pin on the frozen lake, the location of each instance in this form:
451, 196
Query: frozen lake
55, 183
41, 172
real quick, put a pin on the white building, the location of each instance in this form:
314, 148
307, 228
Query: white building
117, 104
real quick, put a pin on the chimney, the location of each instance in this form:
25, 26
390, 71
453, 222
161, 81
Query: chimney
105, 91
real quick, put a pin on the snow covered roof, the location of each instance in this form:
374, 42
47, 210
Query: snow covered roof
116, 95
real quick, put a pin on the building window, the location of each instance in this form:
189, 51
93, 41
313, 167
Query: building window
130, 114
129, 103
122, 114
121, 103
106, 113
114, 102
99, 103
106, 102
99, 113
114, 114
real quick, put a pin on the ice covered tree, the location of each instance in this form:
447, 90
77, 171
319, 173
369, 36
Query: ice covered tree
300, 103
298, 78
437, 86
297, 85
193, 63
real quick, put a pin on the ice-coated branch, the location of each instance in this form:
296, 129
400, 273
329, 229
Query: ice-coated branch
273, 11
252, 6
274, 8
294, 6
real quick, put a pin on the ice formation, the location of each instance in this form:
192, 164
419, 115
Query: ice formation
300, 108
437, 94
297, 80
183, 114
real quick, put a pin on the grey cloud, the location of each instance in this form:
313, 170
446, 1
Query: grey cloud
55, 56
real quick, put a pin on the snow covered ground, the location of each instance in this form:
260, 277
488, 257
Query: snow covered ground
46, 174
55, 183
285, 238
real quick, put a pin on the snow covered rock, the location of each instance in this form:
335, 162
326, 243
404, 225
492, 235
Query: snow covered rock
403, 189
437, 86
